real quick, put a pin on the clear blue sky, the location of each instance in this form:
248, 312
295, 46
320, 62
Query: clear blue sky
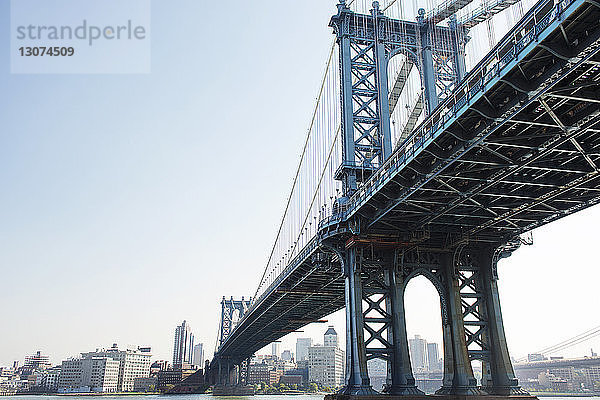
131, 202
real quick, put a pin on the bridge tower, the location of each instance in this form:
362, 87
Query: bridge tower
229, 371
378, 266
366, 45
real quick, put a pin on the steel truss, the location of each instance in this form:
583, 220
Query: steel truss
471, 318
367, 43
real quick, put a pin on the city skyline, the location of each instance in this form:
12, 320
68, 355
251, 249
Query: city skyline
125, 201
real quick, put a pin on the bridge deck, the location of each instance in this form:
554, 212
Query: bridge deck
516, 147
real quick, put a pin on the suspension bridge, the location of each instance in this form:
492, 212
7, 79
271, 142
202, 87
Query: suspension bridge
428, 154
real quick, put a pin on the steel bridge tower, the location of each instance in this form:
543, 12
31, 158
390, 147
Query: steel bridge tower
377, 266
230, 371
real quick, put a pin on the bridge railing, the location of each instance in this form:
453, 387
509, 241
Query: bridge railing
539, 17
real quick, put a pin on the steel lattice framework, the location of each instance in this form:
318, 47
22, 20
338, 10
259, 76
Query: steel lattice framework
513, 145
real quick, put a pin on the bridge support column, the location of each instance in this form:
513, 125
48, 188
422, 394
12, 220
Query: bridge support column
501, 378
234, 374
426, 60
458, 373
219, 380
400, 376
358, 382
243, 372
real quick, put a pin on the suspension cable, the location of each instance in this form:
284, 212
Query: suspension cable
289, 199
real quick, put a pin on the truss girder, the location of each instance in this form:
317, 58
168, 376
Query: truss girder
509, 158
366, 43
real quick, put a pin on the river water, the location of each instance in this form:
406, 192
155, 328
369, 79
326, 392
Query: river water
211, 397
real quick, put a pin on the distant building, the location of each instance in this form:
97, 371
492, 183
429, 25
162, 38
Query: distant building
198, 356
50, 381
287, 355
326, 363
259, 373
418, 353
275, 352
301, 369
37, 361
92, 374
302, 345
433, 358
183, 346
291, 380
550, 381
535, 357
172, 377
274, 376
133, 363
34, 362
142, 385
377, 373
6, 373
592, 376
160, 365
330, 338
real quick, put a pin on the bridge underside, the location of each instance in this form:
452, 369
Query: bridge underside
310, 292
523, 152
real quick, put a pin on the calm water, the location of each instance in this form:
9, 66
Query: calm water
169, 397
211, 397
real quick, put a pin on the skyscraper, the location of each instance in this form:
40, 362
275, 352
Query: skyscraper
198, 357
330, 338
418, 353
302, 345
433, 357
183, 346
275, 349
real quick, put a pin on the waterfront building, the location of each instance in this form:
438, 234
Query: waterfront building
548, 380
326, 363
259, 373
198, 356
301, 369
6, 373
291, 380
133, 363
566, 373
302, 345
37, 361
142, 385
274, 376
183, 346
159, 365
33, 363
172, 377
92, 374
50, 382
592, 377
